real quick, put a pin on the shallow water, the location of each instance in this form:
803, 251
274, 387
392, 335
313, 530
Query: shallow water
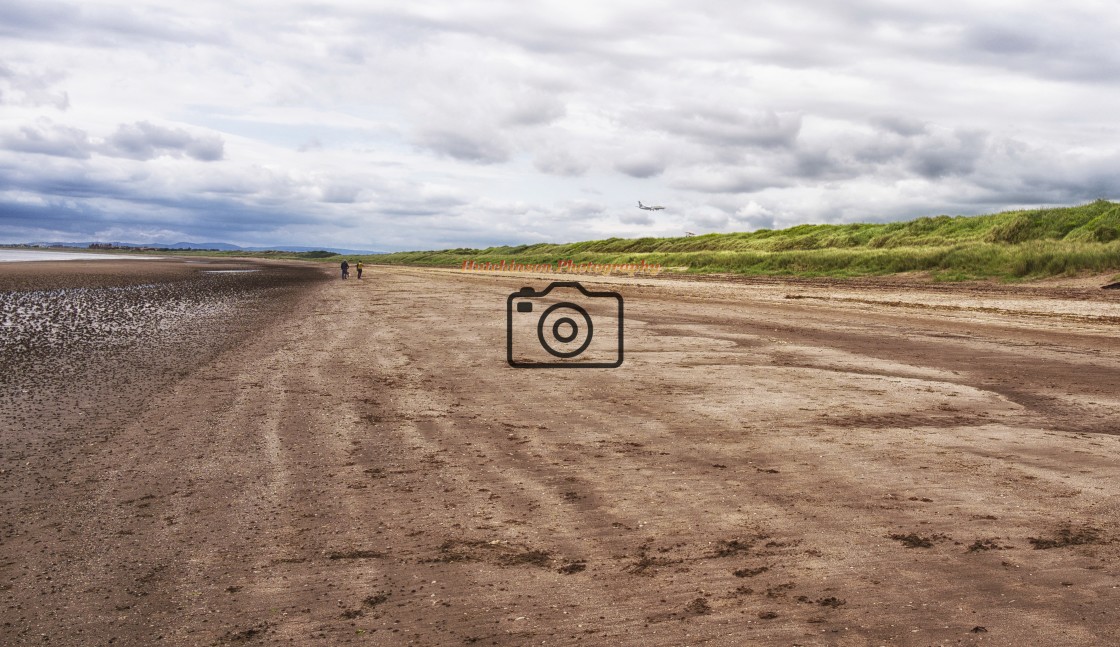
68, 351
16, 255
59, 319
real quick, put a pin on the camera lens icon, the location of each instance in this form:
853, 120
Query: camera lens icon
546, 330
565, 330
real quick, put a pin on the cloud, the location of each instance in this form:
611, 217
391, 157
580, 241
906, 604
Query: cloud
144, 141
1071, 46
560, 162
728, 127
901, 125
709, 220
954, 153
727, 179
1016, 172
533, 108
25, 18
103, 25
755, 216
139, 141
341, 194
642, 166
419, 125
484, 148
48, 138
31, 88
636, 219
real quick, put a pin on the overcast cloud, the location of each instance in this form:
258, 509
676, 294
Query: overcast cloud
392, 125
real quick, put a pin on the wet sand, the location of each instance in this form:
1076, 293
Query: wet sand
808, 462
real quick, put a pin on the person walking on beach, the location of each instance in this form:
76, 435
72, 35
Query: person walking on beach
345, 270
358, 266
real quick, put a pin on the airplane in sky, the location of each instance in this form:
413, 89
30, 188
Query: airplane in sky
649, 208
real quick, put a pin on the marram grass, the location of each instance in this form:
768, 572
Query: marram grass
1010, 245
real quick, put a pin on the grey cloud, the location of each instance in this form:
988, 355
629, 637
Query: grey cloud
1044, 41
48, 138
49, 220
341, 194
928, 151
207, 149
1015, 173
473, 147
711, 221
726, 180
104, 26
31, 88
534, 111
20, 18
145, 141
581, 210
880, 150
53, 181
951, 154
853, 155
1102, 182
719, 127
239, 205
352, 52
418, 206
541, 34
636, 219
808, 109
84, 197
140, 141
1066, 46
560, 162
821, 163
1001, 40
901, 125
756, 221
312, 144
411, 212
641, 167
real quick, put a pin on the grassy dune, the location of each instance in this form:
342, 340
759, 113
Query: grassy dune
1009, 245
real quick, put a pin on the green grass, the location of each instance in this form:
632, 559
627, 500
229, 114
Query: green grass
1012, 245
1009, 245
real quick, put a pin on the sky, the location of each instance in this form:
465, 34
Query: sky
430, 124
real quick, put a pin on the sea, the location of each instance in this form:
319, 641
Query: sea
15, 255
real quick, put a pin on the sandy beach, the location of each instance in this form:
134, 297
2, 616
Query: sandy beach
284, 457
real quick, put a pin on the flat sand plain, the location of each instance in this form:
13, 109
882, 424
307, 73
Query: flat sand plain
877, 462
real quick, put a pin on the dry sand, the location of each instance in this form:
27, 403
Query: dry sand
775, 463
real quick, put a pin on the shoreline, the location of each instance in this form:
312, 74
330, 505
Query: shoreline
55, 255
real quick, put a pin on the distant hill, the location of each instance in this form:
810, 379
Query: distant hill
1013, 244
294, 248
224, 247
